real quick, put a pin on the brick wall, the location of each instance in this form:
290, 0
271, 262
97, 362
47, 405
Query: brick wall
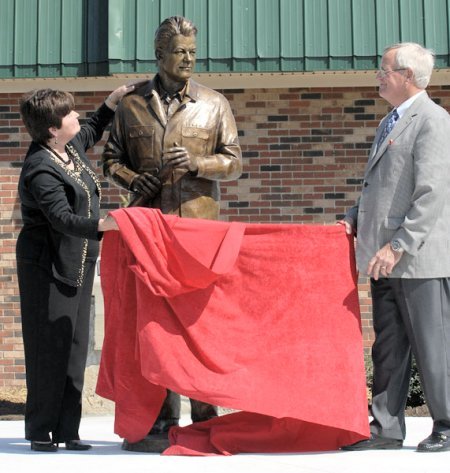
304, 154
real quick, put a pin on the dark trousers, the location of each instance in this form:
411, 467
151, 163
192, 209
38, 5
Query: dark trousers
55, 327
410, 316
170, 412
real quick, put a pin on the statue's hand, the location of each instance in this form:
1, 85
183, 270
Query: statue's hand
146, 184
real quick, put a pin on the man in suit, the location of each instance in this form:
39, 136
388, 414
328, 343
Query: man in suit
171, 144
402, 225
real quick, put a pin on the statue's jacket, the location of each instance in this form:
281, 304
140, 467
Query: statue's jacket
203, 124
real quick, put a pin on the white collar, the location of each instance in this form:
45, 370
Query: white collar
401, 109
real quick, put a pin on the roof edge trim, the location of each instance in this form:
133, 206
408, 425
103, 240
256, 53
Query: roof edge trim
225, 81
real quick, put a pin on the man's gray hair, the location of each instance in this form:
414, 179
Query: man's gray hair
170, 27
415, 57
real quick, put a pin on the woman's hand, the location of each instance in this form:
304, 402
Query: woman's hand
107, 224
116, 95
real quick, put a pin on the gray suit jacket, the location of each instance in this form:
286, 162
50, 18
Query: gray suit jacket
406, 194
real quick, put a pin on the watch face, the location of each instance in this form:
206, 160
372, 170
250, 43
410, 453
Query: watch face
395, 245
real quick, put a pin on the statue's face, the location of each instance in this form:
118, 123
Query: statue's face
178, 61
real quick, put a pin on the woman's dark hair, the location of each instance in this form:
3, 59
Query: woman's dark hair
41, 109
169, 28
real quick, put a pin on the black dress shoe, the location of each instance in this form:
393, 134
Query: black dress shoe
77, 445
43, 446
375, 442
436, 442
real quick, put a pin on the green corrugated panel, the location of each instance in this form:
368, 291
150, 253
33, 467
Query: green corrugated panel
49, 32
292, 33
443, 61
171, 8
411, 21
6, 38
364, 35
316, 28
115, 30
122, 29
97, 30
97, 38
219, 30
388, 23
437, 30
75, 37
243, 30
73, 32
244, 65
316, 34
268, 65
436, 26
197, 12
364, 28
340, 28
129, 30
268, 29
340, 34
147, 19
25, 34
219, 36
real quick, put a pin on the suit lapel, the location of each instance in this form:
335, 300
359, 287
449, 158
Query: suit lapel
401, 126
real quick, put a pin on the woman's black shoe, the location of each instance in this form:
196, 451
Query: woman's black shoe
77, 445
43, 446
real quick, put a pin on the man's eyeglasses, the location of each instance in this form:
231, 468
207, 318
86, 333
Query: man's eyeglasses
382, 73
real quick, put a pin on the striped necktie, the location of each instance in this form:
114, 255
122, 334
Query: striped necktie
390, 122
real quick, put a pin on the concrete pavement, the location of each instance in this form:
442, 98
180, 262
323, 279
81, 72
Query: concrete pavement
107, 456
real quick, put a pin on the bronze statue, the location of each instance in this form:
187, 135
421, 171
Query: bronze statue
171, 144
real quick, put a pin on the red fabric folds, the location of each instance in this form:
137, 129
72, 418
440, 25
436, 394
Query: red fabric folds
261, 318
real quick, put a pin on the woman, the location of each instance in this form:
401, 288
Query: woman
56, 254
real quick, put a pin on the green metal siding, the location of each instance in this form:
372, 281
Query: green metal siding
219, 37
25, 36
411, 15
364, 44
292, 32
340, 35
51, 38
6, 39
97, 38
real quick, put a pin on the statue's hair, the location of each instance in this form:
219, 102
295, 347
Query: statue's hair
170, 27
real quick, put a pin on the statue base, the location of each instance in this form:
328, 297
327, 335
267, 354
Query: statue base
154, 443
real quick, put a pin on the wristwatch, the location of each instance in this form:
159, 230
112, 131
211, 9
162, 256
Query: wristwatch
396, 246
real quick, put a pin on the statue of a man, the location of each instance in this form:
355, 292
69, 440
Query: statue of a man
171, 144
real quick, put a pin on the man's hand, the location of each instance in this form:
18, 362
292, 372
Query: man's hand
146, 184
349, 228
383, 262
178, 157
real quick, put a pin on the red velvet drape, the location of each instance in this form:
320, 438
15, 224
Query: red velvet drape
262, 318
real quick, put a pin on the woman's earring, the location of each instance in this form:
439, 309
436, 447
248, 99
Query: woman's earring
56, 140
